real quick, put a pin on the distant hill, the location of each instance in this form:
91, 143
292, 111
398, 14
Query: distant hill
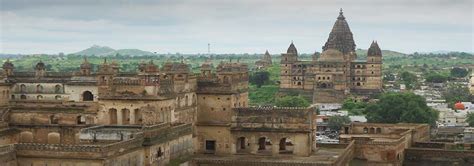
362, 53
104, 51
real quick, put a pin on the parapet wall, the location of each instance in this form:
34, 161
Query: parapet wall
272, 118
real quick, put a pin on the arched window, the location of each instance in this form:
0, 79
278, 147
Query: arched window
23, 97
57, 97
22, 88
241, 143
366, 130
87, 96
57, 89
39, 89
39, 97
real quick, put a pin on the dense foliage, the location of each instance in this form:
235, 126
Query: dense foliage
409, 79
435, 77
459, 72
401, 107
455, 93
354, 108
470, 119
292, 101
336, 122
259, 78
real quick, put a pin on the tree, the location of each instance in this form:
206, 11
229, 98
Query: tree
354, 108
470, 119
459, 72
401, 107
336, 122
292, 101
409, 79
259, 78
455, 93
436, 78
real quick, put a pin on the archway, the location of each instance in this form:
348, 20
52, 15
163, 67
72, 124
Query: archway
138, 116
125, 116
241, 144
372, 131
264, 145
87, 96
286, 146
366, 130
26, 137
54, 138
378, 130
113, 116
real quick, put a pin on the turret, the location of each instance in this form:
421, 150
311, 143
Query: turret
374, 54
8, 68
40, 69
86, 67
291, 54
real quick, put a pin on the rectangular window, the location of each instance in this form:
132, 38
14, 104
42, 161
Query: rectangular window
210, 145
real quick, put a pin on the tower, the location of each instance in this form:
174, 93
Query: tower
374, 66
287, 62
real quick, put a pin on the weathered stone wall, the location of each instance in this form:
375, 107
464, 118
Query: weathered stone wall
76, 92
428, 157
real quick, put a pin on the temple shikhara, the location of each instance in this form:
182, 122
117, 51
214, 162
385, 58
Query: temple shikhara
160, 114
336, 73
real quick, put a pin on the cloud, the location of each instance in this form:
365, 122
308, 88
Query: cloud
51, 26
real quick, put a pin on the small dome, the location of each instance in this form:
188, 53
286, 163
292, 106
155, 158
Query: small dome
40, 65
331, 55
459, 106
8, 65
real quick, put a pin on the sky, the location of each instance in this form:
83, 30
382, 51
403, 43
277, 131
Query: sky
231, 26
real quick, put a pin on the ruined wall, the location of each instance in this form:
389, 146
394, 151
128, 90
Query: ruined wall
220, 134
76, 92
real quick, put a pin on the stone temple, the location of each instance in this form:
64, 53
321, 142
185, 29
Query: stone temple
337, 73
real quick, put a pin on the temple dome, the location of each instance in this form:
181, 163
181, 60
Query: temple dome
40, 65
292, 49
459, 106
8, 65
340, 37
331, 55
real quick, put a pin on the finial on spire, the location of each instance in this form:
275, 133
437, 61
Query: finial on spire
341, 16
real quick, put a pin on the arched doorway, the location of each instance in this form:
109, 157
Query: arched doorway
113, 116
138, 116
286, 146
87, 96
125, 116
241, 144
264, 145
54, 138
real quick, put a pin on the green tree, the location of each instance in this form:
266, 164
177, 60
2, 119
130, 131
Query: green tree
459, 72
409, 79
354, 108
336, 122
436, 78
259, 78
455, 93
401, 107
470, 119
292, 101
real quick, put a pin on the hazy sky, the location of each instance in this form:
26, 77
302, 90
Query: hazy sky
231, 26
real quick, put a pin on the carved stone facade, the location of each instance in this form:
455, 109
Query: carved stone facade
337, 73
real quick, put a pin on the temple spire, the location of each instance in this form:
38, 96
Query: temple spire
340, 37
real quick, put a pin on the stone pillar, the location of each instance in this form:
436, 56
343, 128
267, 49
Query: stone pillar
253, 145
275, 149
119, 116
132, 116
